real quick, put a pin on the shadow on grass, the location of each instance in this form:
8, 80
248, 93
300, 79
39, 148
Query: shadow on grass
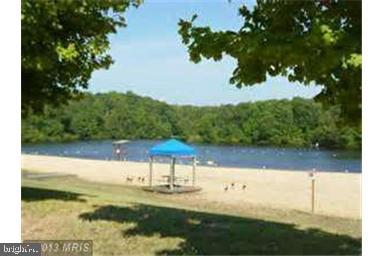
29, 194
207, 233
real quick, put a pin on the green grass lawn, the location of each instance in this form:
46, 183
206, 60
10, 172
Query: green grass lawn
123, 220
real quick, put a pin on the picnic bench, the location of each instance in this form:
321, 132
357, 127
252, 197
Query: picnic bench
177, 179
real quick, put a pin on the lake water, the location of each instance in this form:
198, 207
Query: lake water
229, 156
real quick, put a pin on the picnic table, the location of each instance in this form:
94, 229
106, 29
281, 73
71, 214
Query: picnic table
167, 178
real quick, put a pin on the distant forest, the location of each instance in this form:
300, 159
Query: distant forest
297, 122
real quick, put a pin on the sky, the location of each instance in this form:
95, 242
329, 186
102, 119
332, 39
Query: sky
150, 59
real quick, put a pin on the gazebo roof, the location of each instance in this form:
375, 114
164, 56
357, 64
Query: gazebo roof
172, 147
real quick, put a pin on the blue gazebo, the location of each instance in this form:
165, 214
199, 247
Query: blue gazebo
173, 149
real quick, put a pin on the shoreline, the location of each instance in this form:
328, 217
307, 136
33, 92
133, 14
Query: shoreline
337, 193
202, 165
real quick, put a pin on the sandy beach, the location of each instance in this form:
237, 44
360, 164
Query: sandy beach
337, 194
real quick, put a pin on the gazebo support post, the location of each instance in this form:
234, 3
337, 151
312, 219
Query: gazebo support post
172, 174
193, 171
150, 170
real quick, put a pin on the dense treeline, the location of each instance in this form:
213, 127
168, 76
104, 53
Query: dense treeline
297, 122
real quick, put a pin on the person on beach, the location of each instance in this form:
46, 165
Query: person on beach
118, 154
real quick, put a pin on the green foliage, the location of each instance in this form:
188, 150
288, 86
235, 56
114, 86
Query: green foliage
306, 41
297, 122
48, 127
62, 43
